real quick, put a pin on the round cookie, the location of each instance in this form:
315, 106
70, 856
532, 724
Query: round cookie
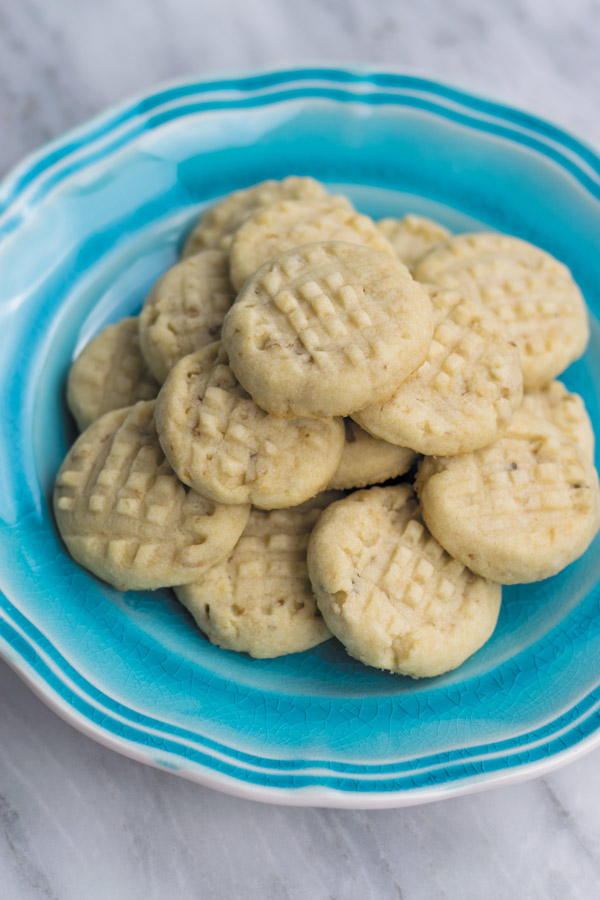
293, 223
217, 224
517, 511
368, 460
125, 516
325, 329
224, 446
185, 310
390, 593
533, 295
259, 600
412, 237
465, 393
566, 411
109, 373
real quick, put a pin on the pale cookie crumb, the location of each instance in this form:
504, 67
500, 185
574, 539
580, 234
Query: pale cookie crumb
390, 593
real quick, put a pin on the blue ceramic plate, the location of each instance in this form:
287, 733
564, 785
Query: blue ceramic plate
86, 226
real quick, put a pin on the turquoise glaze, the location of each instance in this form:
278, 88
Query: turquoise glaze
86, 226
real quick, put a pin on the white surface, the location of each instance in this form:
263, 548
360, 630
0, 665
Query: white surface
78, 822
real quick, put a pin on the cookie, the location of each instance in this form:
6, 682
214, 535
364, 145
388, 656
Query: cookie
325, 329
566, 411
109, 373
293, 223
412, 237
185, 309
533, 295
217, 224
259, 600
224, 446
465, 393
517, 511
125, 516
390, 593
368, 460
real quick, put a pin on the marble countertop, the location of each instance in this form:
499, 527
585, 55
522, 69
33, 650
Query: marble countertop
79, 822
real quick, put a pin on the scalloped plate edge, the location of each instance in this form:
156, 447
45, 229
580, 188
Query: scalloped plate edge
319, 795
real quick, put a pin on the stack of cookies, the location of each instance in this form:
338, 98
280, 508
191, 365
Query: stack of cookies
300, 351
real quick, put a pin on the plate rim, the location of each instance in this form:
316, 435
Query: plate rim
72, 141
314, 796
226, 79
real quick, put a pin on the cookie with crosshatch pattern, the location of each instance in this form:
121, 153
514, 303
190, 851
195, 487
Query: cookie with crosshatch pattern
226, 447
533, 295
412, 237
519, 510
463, 395
389, 591
369, 460
565, 410
327, 328
125, 516
185, 309
293, 223
259, 599
219, 222
109, 373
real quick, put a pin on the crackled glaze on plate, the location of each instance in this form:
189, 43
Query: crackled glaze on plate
86, 226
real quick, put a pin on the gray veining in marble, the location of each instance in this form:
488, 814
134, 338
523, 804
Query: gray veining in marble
78, 822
